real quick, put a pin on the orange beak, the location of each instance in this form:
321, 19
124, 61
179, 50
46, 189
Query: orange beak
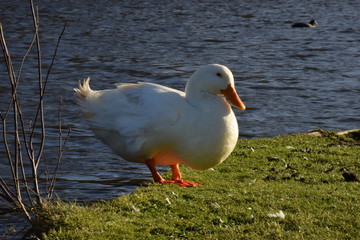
231, 95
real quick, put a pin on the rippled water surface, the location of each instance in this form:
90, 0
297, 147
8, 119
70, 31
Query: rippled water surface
291, 80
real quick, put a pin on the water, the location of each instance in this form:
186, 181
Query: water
291, 80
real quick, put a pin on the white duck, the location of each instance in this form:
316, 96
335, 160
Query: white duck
157, 125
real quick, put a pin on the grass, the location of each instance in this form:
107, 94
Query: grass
303, 176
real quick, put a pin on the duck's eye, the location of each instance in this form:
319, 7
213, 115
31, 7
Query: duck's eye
218, 74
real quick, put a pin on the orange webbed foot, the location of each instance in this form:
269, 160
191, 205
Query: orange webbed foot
175, 179
180, 182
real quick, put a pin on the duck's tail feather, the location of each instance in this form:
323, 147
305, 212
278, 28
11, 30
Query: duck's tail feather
84, 89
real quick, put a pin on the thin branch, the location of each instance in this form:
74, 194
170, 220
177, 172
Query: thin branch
60, 153
40, 110
7, 193
25, 56
53, 58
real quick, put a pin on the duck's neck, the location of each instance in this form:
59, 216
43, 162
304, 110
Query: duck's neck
208, 102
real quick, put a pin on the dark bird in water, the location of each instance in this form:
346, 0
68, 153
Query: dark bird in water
311, 24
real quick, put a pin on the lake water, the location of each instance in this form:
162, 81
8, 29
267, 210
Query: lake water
291, 80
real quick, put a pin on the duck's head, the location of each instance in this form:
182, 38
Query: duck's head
313, 22
217, 80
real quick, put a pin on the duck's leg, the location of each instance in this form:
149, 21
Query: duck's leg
176, 175
150, 163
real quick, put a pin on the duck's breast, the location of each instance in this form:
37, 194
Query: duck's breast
208, 138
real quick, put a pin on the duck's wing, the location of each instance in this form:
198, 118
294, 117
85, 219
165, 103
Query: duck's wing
132, 116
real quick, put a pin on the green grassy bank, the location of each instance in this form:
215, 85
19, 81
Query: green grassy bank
291, 187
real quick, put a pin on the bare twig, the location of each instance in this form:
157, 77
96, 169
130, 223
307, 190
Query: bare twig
40, 111
62, 144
